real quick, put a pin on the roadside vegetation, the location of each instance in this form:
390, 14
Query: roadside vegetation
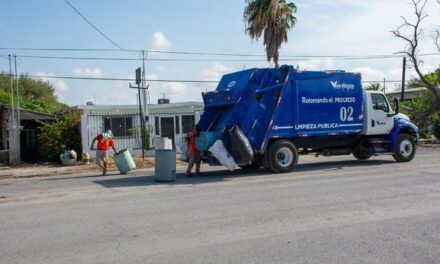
35, 95
63, 134
424, 111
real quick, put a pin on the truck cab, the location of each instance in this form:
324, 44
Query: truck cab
379, 116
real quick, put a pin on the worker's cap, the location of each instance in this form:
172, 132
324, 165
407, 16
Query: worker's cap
108, 134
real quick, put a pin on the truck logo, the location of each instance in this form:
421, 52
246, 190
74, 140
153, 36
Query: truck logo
342, 86
231, 84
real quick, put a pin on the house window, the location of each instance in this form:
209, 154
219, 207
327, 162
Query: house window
188, 121
177, 125
120, 126
156, 125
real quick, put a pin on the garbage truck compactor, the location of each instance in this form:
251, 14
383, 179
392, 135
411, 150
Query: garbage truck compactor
267, 117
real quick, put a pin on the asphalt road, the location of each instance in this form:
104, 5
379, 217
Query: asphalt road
330, 210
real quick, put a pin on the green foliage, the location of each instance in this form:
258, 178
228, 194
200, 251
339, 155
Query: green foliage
416, 106
133, 132
373, 87
62, 134
147, 136
272, 19
35, 95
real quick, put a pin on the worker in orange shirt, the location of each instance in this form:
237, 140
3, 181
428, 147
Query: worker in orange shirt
105, 141
193, 153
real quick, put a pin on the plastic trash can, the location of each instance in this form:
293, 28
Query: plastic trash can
206, 139
124, 161
165, 165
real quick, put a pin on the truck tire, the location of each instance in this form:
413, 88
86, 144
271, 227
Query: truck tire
253, 166
361, 153
405, 149
256, 164
282, 156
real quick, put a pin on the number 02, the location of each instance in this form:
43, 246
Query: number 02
346, 113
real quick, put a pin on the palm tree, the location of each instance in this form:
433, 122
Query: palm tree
274, 18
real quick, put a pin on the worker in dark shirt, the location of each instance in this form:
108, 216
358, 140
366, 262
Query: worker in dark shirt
193, 153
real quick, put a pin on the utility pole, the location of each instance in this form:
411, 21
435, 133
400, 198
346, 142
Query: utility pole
18, 94
13, 137
384, 87
11, 89
145, 92
402, 94
141, 115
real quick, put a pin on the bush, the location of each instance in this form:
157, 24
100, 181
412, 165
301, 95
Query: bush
62, 134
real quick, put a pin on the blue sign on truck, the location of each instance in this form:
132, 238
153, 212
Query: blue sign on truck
281, 113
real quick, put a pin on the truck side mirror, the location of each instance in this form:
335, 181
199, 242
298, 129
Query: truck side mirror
396, 106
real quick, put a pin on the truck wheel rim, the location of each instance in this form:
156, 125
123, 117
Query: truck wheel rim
406, 148
284, 157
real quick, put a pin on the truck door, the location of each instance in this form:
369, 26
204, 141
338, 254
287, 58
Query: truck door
379, 123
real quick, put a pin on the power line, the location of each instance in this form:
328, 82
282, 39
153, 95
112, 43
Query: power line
209, 60
116, 79
91, 24
219, 54
154, 80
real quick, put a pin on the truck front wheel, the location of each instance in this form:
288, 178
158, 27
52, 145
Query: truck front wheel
282, 156
405, 149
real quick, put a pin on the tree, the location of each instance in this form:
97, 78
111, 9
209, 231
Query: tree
421, 104
36, 95
412, 39
273, 19
373, 86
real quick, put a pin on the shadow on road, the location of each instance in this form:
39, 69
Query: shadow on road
222, 175
99, 175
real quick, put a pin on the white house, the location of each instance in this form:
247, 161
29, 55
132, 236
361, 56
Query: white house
171, 120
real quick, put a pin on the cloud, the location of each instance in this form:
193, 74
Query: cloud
150, 77
369, 74
160, 42
161, 68
315, 64
87, 72
175, 88
60, 86
215, 72
117, 94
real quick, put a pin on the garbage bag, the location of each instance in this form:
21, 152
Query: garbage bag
219, 151
240, 148
183, 150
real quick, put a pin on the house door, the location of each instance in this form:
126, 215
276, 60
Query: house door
167, 128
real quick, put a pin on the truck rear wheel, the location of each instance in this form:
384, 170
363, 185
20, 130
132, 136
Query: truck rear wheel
405, 149
256, 164
282, 156
362, 152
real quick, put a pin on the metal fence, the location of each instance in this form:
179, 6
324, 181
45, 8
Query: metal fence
125, 128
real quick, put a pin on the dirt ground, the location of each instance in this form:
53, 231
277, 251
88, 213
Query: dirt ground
47, 169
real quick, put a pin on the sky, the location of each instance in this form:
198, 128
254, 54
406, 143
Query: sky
324, 28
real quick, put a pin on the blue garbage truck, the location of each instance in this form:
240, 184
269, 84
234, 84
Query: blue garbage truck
268, 117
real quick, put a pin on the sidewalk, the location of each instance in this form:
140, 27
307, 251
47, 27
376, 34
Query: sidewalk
51, 169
